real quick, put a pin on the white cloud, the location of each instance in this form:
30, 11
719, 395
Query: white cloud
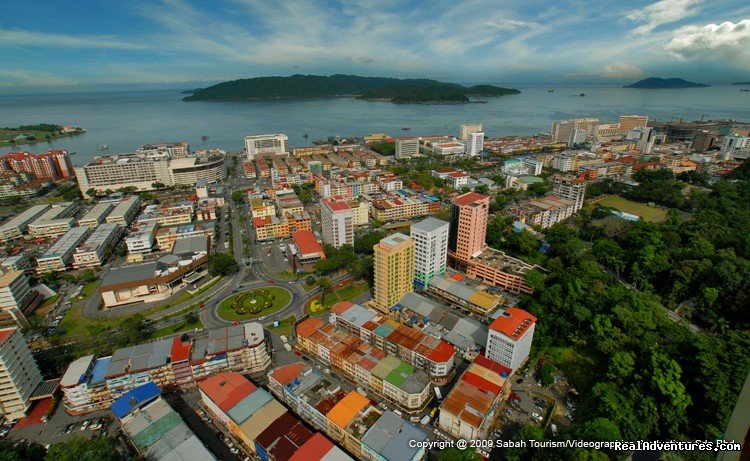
726, 41
17, 78
27, 38
660, 13
622, 69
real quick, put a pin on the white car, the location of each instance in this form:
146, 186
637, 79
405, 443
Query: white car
85, 425
234, 450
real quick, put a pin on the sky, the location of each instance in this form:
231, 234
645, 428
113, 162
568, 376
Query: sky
80, 44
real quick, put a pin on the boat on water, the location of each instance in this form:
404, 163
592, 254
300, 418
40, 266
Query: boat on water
744, 89
406, 128
103, 147
204, 138
72, 153
551, 90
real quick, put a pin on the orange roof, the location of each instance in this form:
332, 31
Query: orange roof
341, 307
442, 352
4, 334
458, 175
347, 408
457, 277
309, 326
227, 389
306, 242
180, 351
286, 374
336, 205
468, 198
314, 449
513, 322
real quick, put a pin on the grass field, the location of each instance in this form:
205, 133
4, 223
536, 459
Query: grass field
252, 303
285, 326
179, 328
648, 213
576, 364
346, 293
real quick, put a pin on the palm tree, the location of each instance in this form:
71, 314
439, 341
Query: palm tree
324, 283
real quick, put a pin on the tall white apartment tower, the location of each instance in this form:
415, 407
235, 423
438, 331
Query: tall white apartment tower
336, 222
570, 188
510, 337
19, 375
475, 143
466, 129
265, 143
430, 250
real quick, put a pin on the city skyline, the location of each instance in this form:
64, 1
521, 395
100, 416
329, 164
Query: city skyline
175, 41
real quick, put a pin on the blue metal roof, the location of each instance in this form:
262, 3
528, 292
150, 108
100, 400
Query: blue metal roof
100, 368
134, 399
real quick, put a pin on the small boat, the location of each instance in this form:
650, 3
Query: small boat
582, 94
204, 138
406, 128
103, 147
744, 89
551, 90
72, 153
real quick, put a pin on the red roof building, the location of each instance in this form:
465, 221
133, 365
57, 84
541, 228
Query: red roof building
226, 389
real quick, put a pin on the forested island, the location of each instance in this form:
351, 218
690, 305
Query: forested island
29, 134
369, 88
656, 83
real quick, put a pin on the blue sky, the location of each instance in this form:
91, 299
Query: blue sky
52, 43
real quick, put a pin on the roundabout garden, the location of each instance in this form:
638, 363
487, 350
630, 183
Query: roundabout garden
254, 303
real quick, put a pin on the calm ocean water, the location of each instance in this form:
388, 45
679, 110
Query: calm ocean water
125, 120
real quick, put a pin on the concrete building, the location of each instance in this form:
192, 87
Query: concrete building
173, 149
265, 143
15, 294
475, 143
59, 256
457, 179
52, 165
510, 338
19, 374
608, 132
97, 246
156, 431
468, 225
500, 270
628, 122
448, 148
91, 384
543, 212
468, 128
407, 147
471, 408
141, 241
54, 222
125, 211
96, 215
394, 270
336, 222
430, 250
455, 291
166, 237
14, 228
403, 204
561, 131
565, 161
188, 171
570, 188
304, 251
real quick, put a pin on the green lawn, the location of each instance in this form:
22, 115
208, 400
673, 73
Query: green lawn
179, 328
579, 365
254, 303
285, 327
648, 213
346, 293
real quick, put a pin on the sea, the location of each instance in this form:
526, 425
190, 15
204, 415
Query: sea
124, 120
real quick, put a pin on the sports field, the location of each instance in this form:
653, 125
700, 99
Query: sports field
648, 213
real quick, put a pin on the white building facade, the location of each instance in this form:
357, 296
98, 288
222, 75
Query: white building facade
430, 250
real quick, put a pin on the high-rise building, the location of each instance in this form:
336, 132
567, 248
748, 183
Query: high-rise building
265, 143
430, 250
53, 164
467, 129
561, 131
15, 293
394, 270
407, 147
510, 336
628, 122
643, 136
19, 375
475, 143
571, 188
468, 225
704, 140
336, 222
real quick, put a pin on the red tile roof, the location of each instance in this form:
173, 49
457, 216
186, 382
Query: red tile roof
180, 351
341, 307
481, 383
288, 373
336, 205
309, 326
306, 242
458, 175
442, 353
468, 198
314, 449
513, 323
227, 389
4, 334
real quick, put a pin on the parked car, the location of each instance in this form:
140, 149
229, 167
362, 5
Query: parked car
536, 417
85, 425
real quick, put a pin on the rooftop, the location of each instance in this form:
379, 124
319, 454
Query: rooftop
429, 224
513, 323
470, 198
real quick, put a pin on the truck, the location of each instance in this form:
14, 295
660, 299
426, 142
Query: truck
283, 339
287, 347
425, 420
438, 395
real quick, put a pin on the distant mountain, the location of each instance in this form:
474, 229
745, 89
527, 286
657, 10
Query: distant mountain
190, 91
372, 88
741, 83
656, 83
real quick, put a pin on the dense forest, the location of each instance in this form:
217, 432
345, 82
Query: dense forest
602, 308
316, 86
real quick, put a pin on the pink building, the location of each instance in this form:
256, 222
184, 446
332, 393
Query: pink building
468, 225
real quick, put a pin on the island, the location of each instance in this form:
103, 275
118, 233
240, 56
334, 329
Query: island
741, 83
656, 83
395, 90
29, 134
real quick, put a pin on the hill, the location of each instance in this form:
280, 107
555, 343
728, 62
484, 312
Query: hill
372, 88
656, 83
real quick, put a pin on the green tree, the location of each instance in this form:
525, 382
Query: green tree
221, 264
238, 196
454, 454
83, 449
482, 189
21, 452
364, 244
600, 430
158, 185
546, 374
324, 283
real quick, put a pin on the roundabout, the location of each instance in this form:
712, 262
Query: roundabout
255, 303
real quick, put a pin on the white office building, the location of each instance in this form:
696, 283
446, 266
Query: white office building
265, 143
19, 374
15, 227
468, 128
95, 248
54, 222
96, 215
15, 293
125, 211
510, 337
141, 241
60, 255
571, 188
430, 250
475, 143
336, 222
407, 147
